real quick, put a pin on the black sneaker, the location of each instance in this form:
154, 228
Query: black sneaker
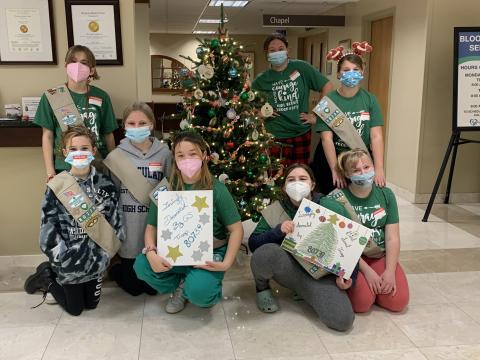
41, 279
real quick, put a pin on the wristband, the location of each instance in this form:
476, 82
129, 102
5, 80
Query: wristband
50, 177
147, 249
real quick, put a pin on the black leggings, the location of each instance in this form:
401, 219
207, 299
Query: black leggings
126, 278
321, 171
74, 298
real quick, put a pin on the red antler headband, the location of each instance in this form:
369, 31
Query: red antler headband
358, 48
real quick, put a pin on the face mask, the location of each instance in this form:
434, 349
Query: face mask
79, 159
351, 78
297, 190
189, 167
78, 72
363, 180
137, 135
277, 57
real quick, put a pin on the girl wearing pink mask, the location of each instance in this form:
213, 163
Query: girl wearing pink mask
93, 104
200, 285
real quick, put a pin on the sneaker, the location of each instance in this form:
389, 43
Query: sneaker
40, 280
176, 303
49, 299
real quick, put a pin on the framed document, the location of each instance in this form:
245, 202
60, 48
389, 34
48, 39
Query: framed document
96, 24
27, 32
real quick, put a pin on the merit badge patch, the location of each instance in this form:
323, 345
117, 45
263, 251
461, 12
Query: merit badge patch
93, 100
69, 119
295, 74
365, 116
76, 201
155, 167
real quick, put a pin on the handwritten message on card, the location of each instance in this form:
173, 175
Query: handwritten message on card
185, 226
326, 239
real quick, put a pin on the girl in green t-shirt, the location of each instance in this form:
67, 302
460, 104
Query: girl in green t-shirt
200, 285
363, 110
381, 279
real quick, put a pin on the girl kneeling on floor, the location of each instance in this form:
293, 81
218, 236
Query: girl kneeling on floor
200, 285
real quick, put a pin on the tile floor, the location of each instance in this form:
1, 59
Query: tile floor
441, 258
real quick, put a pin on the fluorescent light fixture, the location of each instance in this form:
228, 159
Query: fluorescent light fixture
212, 21
228, 3
204, 32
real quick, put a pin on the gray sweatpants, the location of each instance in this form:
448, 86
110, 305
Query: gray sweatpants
331, 304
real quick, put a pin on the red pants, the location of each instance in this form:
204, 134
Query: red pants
298, 152
362, 298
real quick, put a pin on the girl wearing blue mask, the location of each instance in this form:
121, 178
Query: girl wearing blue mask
363, 110
287, 84
152, 158
381, 279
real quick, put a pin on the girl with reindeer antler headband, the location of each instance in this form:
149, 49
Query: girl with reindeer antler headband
361, 108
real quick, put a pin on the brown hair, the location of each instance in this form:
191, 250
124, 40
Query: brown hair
76, 131
353, 58
296, 166
348, 159
206, 178
92, 63
143, 108
274, 36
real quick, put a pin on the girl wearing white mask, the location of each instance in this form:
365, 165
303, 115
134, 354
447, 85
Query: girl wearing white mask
361, 108
381, 279
93, 104
152, 158
287, 84
269, 261
200, 285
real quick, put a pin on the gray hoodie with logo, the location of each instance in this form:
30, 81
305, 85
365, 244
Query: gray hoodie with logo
154, 166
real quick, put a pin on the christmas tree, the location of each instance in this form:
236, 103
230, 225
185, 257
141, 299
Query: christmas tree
321, 242
219, 103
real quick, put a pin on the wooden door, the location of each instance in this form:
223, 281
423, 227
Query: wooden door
379, 67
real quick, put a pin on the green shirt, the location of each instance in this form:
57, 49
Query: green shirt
99, 118
362, 110
330, 204
224, 210
375, 211
288, 92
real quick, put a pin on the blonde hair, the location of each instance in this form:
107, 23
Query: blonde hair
143, 108
348, 159
92, 63
206, 178
75, 131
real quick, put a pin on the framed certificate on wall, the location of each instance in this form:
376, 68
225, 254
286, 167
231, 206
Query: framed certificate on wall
27, 32
96, 25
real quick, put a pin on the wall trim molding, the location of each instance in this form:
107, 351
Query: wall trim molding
416, 198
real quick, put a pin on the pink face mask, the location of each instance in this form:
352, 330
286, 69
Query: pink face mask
78, 72
189, 167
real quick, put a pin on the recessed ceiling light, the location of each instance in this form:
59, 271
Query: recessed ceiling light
204, 32
211, 21
228, 3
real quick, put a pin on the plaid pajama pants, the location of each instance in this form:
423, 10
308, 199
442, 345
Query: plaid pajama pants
296, 151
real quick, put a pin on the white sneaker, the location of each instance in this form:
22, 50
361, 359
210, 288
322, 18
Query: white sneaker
49, 299
176, 303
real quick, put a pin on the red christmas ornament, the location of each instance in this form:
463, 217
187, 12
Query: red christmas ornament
341, 224
229, 145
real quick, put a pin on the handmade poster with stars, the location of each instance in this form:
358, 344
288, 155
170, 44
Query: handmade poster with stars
185, 226
325, 239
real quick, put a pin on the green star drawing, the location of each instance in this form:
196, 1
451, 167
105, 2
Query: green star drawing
333, 219
174, 252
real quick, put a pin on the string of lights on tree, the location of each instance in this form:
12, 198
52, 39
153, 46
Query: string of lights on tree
219, 103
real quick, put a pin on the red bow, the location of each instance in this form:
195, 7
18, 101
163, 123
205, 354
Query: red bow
361, 48
335, 54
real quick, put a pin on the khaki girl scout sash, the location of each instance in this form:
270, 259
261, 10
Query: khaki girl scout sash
84, 212
274, 214
63, 107
339, 123
119, 164
371, 250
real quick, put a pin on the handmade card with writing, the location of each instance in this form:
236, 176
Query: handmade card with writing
185, 226
326, 239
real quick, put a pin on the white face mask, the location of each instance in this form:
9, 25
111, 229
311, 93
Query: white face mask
297, 190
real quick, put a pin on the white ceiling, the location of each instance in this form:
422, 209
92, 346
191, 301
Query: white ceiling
181, 16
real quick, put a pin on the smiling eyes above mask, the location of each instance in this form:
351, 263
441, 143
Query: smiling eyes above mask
351, 78
137, 135
363, 180
297, 190
277, 57
79, 159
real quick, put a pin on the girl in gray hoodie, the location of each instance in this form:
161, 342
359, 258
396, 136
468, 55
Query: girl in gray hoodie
153, 159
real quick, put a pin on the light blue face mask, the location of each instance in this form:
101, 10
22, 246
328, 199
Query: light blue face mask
351, 78
79, 159
277, 57
137, 135
363, 180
